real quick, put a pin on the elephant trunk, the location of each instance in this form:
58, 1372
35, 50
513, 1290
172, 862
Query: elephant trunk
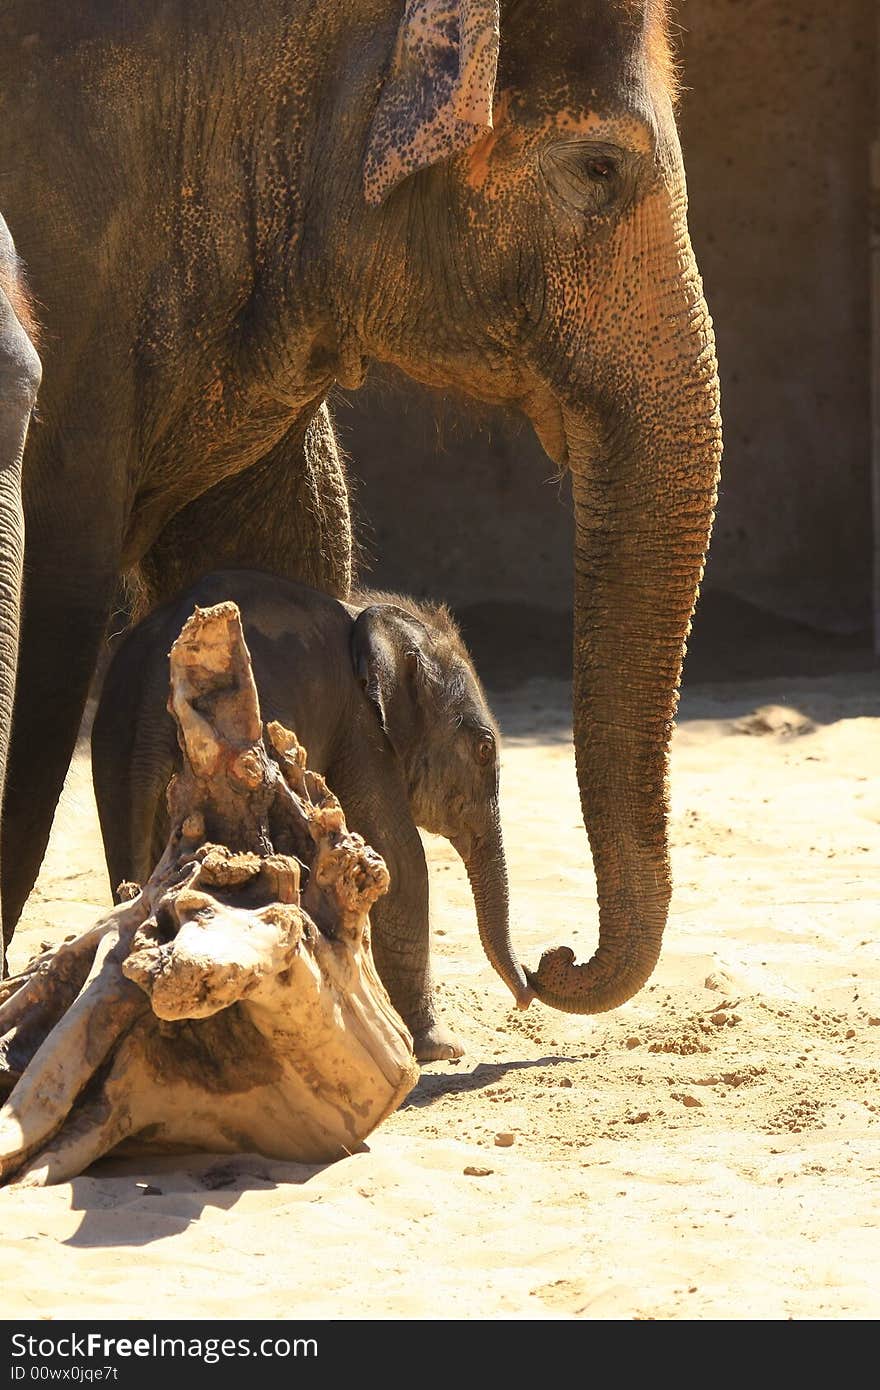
486, 867
644, 502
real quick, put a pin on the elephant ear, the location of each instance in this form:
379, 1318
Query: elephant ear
437, 97
390, 654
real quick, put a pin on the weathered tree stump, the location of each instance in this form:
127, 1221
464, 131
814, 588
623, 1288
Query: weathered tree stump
232, 1002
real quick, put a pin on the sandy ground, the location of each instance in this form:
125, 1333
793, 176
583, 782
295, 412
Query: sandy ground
709, 1150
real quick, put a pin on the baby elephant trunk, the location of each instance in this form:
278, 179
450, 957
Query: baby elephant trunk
486, 867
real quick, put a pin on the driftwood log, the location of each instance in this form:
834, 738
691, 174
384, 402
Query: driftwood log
231, 1003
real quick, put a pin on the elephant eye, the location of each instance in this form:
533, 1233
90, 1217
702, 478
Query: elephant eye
600, 168
485, 750
586, 179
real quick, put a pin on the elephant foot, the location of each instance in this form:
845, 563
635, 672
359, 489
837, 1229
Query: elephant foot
436, 1043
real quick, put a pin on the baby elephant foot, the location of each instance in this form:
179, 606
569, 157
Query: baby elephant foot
436, 1043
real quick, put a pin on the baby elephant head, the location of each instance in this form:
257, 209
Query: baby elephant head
417, 673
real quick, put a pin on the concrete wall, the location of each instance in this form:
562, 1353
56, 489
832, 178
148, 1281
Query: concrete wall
776, 123
776, 130
456, 501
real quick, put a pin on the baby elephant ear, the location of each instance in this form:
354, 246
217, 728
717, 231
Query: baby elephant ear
437, 97
387, 645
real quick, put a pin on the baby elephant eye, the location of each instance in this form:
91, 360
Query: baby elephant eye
485, 750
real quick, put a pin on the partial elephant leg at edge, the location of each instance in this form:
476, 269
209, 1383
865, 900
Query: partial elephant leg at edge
60, 641
20, 372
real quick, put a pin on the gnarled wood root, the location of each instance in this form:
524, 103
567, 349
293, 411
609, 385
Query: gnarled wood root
232, 1003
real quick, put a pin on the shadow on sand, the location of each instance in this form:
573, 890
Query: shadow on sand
433, 1085
137, 1200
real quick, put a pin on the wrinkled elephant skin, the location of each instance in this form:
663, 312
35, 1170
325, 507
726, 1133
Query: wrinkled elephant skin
226, 209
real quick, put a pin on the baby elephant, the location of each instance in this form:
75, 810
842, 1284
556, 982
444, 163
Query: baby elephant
384, 696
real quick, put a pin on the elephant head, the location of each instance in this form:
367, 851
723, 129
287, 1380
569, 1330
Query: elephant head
525, 172
417, 674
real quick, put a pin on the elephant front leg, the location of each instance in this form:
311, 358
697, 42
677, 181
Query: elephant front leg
376, 807
400, 941
287, 515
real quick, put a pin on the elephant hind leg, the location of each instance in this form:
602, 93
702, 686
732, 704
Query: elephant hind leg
134, 756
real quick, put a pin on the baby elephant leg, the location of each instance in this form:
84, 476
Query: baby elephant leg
401, 952
400, 932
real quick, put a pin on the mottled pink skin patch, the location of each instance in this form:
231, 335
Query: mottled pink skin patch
437, 97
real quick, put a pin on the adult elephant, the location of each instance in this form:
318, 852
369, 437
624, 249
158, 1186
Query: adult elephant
225, 209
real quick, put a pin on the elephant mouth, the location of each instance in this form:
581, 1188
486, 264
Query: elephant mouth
466, 845
461, 842
548, 422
